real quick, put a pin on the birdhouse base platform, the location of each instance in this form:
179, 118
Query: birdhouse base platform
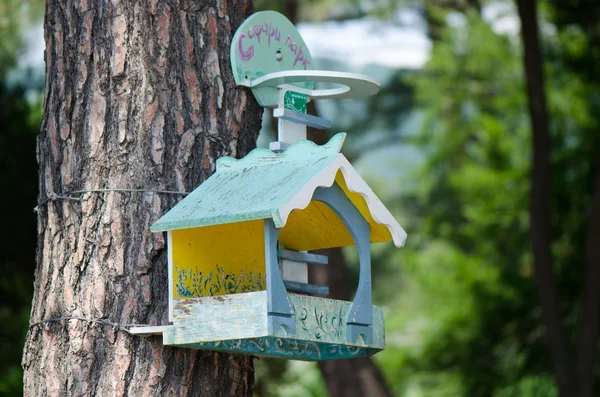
283, 347
239, 323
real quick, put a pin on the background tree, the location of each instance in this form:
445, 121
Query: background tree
138, 96
539, 202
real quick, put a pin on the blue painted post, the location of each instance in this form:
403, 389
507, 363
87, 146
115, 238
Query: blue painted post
360, 316
279, 308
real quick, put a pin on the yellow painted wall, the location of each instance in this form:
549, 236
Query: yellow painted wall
230, 258
379, 233
317, 226
218, 260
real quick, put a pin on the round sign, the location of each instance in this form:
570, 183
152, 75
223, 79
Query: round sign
267, 42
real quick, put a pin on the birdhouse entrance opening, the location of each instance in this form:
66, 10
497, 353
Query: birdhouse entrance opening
281, 311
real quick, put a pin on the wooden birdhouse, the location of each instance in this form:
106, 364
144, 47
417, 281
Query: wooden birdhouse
237, 245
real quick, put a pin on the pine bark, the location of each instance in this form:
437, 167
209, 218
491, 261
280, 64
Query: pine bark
138, 95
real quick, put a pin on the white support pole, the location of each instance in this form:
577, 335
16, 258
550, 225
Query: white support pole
294, 271
288, 131
170, 272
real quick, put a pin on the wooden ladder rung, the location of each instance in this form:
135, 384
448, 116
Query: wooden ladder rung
306, 288
302, 257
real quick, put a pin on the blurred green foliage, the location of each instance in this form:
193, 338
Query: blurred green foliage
470, 312
19, 119
20, 115
462, 317
16, 17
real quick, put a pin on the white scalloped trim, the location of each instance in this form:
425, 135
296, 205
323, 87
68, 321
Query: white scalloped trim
355, 184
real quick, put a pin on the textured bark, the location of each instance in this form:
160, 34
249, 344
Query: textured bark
139, 94
545, 279
587, 355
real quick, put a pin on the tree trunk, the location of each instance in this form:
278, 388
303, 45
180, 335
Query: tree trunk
139, 95
546, 286
588, 340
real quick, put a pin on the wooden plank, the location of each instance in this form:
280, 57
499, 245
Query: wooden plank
277, 299
361, 314
303, 257
203, 263
150, 330
294, 271
217, 318
306, 288
237, 318
325, 320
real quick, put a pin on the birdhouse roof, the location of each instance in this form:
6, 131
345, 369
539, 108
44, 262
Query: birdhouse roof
265, 184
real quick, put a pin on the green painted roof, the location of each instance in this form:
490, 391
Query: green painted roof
254, 187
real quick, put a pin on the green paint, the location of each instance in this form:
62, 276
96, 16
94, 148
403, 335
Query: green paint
295, 101
324, 320
257, 44
270, 346
238, 324
254, 187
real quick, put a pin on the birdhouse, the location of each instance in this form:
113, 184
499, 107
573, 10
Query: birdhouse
239, 245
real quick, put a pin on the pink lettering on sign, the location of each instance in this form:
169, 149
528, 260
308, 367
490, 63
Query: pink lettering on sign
275, 34
245, 55
270, 33
297, 51
255, 32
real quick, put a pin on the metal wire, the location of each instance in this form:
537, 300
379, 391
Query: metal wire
68, 195
117, 326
